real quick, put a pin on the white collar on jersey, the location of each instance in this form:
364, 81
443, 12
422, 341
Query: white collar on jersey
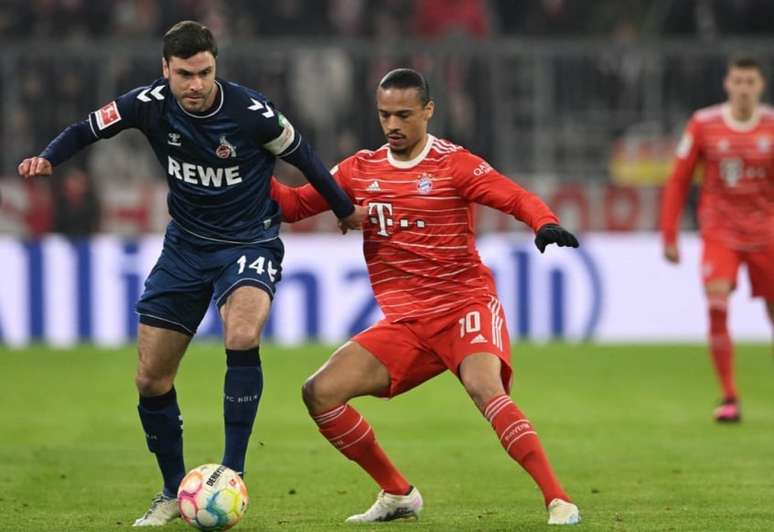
738, 125
403, 165
217, 109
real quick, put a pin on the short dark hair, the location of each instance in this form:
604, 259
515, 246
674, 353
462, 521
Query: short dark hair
406, 78
745, 61
188, 38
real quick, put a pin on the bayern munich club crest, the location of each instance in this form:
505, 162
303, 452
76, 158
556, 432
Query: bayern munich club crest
225, 149
425, 184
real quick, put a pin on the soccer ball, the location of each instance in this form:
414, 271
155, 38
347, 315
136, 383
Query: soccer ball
212, 497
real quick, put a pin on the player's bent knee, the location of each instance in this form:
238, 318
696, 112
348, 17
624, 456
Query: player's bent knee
242, 337
718, 288
319, 397
483, 388
151, 386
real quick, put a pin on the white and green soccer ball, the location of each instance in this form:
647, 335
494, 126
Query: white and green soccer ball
212, 497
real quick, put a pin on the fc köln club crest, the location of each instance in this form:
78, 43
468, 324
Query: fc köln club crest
225, 149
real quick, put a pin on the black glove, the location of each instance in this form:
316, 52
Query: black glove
554, 234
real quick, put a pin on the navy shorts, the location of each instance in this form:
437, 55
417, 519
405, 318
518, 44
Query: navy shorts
191, 272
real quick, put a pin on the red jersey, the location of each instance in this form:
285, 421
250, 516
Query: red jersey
419, 239
737, 191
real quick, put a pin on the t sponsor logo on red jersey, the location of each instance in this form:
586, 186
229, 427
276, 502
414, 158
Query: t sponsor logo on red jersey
107, 115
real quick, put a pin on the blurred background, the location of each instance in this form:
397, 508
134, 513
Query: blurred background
580, 101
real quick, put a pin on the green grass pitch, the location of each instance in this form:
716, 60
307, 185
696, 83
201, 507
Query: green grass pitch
628, 429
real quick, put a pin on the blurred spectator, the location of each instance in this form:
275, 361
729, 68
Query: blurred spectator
289, 17
440, 18
40, 207
348, 17
545, 17
136, 17
76, 205
710, 19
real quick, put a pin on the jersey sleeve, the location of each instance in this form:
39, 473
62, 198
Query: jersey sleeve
105, 122
299, 203
130, 110
277, 135
273, 131
478, 182
679, 182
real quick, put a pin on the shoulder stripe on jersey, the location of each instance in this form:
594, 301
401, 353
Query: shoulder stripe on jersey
156, 93
447, 145
258, 106
708, 113
443, 150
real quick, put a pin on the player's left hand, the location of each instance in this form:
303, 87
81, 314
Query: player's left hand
354, 220
554, 234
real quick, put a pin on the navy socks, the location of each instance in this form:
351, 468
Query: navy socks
241, 394
163, 426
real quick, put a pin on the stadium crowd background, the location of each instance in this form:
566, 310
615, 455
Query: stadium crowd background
582, 103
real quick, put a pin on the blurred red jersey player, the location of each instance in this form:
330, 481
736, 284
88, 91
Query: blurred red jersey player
735, 143
439, 301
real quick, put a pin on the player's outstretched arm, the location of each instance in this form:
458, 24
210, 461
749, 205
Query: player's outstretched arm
297, 203
69, 142
477, 181
306, 160
676, 190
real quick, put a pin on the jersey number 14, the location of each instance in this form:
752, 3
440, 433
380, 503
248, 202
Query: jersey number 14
259, 265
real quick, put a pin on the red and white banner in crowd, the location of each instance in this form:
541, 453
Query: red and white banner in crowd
27, 208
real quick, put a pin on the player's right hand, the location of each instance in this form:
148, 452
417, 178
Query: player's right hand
354, 220
35, 166
554, 234
672, 254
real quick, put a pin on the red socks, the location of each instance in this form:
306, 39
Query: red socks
351, 434
521, 442
720, 345
346, 429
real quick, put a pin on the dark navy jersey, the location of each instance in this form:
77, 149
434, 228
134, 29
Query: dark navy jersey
218, 164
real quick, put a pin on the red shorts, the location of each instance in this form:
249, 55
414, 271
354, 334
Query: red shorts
722, 262
414, 352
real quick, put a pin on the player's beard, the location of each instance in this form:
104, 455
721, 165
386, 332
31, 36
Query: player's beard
200, 104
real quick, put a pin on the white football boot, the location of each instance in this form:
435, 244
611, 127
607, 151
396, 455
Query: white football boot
563, 513
389, 507
162, 510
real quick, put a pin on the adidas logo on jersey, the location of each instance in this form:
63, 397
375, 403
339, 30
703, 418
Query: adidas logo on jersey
374, 187
478, 339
